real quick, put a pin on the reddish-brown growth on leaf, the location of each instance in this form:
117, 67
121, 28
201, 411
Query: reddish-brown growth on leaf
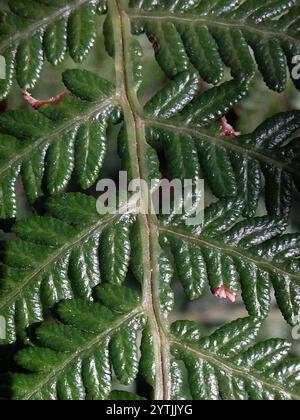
227, 130
223, 293
155, 43
36, 104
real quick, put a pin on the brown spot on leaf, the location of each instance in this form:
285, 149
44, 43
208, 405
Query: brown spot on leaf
36, 103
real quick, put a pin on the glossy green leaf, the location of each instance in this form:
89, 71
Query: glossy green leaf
61, 140
236, 252
211, 34
58, 261
89, 302
40, 28
262, 161
245, 373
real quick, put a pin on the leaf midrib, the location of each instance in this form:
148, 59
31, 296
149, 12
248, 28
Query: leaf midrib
135, 131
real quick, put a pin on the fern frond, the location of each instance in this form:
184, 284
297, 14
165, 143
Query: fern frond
32, 144
47, 147
83, 369
222, 366
52, 256
209, 35
251, 254
74, 364
34, 29
55, 260
265, 160
87, 298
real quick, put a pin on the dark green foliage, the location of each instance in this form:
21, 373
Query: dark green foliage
35, 30
209, 34
245, 166
222, 366
55, 260
250, 254
47, 147
74, 364
87, 297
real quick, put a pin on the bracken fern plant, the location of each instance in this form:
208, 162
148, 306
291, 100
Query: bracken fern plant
88, 300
